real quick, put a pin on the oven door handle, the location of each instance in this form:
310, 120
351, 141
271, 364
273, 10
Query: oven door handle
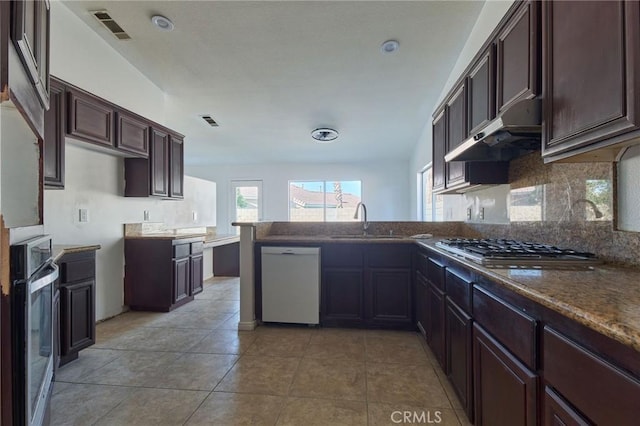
51, 273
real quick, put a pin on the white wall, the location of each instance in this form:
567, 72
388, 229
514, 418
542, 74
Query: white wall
95, 181
488, 19
384, 186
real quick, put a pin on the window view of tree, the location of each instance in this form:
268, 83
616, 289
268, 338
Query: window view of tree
323, 201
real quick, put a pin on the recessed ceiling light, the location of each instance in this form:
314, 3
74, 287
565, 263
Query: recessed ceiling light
162, 23
389, 46
324, 135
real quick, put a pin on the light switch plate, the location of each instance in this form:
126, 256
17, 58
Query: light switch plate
83, 215
469, 213
146, 215
481, 213
194, 215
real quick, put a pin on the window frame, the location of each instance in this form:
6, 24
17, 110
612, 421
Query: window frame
324, 192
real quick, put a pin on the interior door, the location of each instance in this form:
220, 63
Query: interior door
245, 201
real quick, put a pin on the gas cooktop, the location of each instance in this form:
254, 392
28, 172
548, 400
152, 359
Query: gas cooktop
516, 254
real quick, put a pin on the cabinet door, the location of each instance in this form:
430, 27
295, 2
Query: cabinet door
181, 279
78, 316
342, 293
456, 133
54, 142
30, 34
90, 119
176, 171
388, 297
481, 90
196, 274
439, 166
133, 134
421, 303
591, 72
557, 412
435, 325
505, 390
56, 331
159, 159
458, 354
517, 62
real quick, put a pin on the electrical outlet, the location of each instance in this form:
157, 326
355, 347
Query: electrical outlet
194, 216
481, 213
469, 213
146, 215
83, 215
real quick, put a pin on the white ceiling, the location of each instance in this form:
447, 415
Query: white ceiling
270, 72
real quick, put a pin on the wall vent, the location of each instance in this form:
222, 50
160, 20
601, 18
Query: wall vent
209, 120
105, 19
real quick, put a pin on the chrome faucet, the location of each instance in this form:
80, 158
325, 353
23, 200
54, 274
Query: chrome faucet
365, 223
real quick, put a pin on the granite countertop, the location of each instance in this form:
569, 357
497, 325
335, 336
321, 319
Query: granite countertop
345, 238
168, 235
59, 250
605, 298
215, 240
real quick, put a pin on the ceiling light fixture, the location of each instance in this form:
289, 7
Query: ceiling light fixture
162, 23
324, 135
389, 46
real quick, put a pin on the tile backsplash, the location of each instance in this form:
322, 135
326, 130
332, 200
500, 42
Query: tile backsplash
567, 204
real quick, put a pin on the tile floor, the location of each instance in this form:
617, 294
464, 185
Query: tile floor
191, 366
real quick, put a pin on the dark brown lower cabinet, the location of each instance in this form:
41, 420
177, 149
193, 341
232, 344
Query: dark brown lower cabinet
342, 293
56, 330
458, 352
557, 412
161, 274
180, 279
435, 323
196, 266
505, 390
389, 297
226, 260
77, 288
422, 306
586, 381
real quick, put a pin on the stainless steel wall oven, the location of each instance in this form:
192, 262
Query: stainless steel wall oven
33, 276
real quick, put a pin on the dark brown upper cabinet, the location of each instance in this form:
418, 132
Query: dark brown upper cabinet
90, 118
517, 57
30, 34
176, 167
591, 77
53, 146
160, 175
480, 90
456, 132
439, 166
133, 134
159, 160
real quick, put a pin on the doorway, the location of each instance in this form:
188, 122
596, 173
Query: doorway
245, 201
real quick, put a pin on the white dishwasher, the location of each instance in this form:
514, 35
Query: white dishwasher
291, 285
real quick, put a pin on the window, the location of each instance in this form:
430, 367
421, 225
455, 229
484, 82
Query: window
426, 194
323, 201
245, 201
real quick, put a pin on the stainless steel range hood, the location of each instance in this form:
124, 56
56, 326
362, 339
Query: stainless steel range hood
515, 132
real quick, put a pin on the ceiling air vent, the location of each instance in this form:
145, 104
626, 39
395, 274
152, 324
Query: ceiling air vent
209, 120
105, 19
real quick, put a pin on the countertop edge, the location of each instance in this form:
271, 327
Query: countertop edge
60, 250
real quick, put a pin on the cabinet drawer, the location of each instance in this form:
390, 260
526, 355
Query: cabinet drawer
459, 291
512, 327
181, 250
197, 247
586, 381
77, 270
435, 273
